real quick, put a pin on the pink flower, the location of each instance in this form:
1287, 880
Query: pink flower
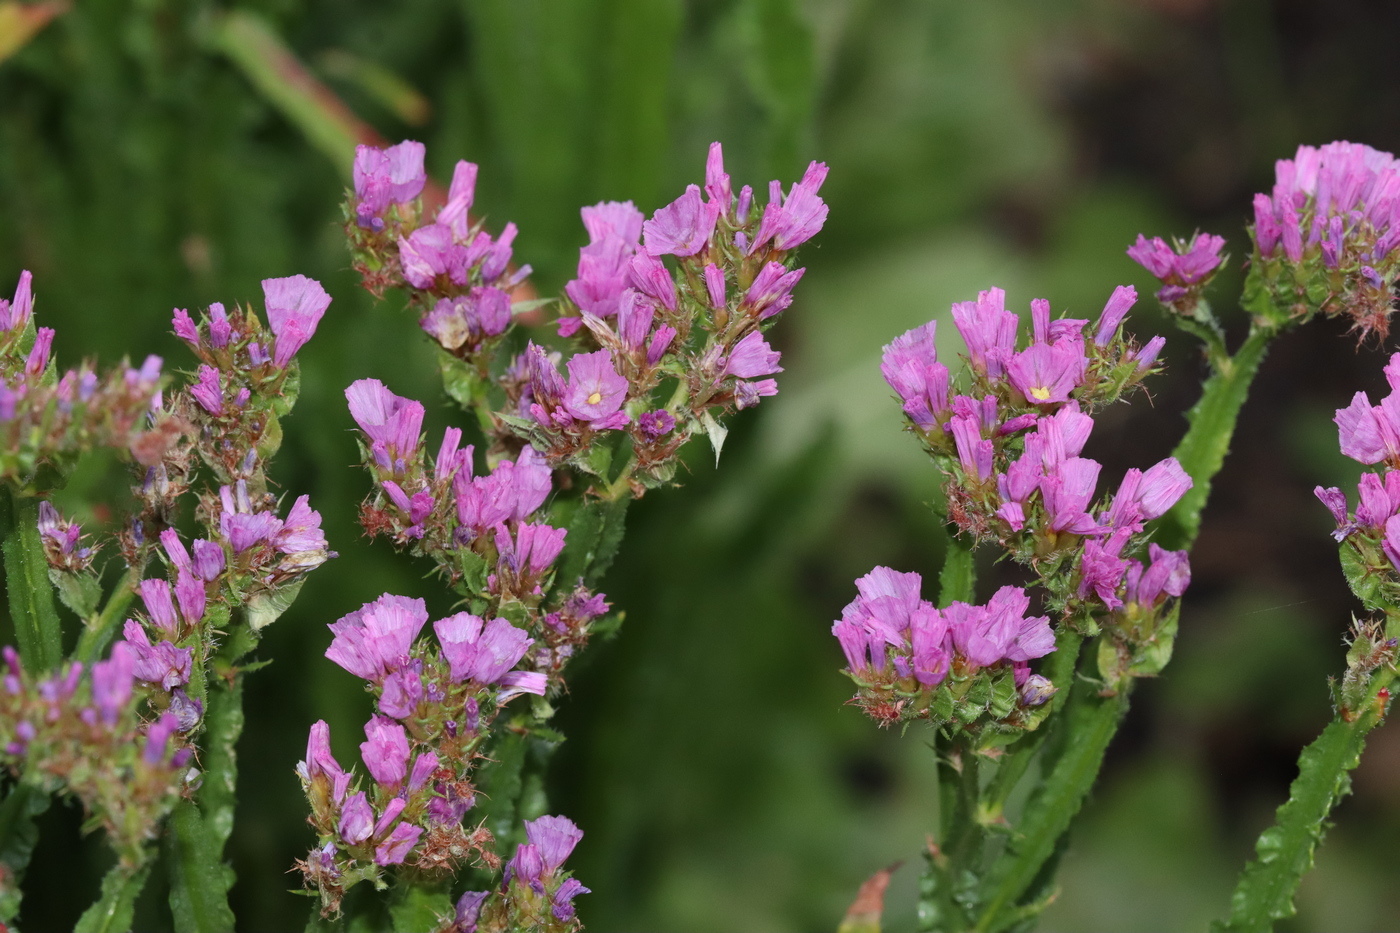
683, 227
989, 331
295, 306
594, 391
376, 638
800, 215
387, 176
455, 213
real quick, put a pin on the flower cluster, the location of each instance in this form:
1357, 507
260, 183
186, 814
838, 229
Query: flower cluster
457, 275
696, 332
1370, 434
252, 559
1326, 236
245, 380
1011, 448
955, 665
536, 893
1011, 444
658, 351
81, 730
47, 419
435, 703
486, 532
1184, 268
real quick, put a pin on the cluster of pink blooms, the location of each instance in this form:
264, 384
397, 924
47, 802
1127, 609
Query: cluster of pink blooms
462, 520
1011, 445
252, 552
241, 383
80, 730
1011, 449
116, 733
536, 893
1370, 434
636, 323
45, 417
1327, 233
700, 326
657, 348
435, 702
1185, 267
900, 649
456, 273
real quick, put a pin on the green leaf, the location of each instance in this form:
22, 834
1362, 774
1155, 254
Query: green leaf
475, 569
27, 582
597, 461
957, 578
267, 606
1151, 658
112, 911
595, 532
223, 724
286, 398
18, 836
462, 383
199, 880
511, 785
80, 592
1091, 722
417, 908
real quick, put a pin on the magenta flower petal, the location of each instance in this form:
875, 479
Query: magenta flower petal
683, 227
594, 389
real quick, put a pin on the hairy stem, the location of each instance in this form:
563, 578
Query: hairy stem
1284, 852
1212, 426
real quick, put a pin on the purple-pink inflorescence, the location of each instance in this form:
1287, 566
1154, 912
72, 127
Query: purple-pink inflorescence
49, 418
82, 725
900, 650
1327, 235
436, 701
1185, 267
1009, 437
1370, 434
664, 315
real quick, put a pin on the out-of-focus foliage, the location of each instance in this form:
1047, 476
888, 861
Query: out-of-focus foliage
719, 780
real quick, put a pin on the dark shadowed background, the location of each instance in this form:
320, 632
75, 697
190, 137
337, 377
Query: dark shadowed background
720, 782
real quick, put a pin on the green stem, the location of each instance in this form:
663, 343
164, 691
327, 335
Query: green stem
938, 905
959, 838
27, 580
113, 910
199, 880
255, 49
1091, 720
1212, 426
223, 724
1284, 851
621, 487
96, 637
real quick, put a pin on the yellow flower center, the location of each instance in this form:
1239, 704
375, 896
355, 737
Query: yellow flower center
597, 397
1039, 393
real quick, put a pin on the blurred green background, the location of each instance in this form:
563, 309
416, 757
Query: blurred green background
721, 783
